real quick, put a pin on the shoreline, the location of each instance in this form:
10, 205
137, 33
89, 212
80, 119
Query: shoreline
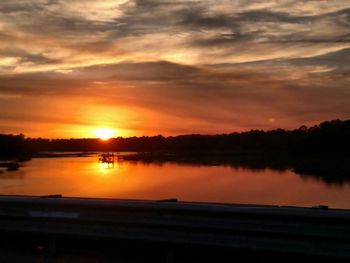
332, 169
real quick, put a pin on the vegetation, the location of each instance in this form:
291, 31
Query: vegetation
13, 146
330, 138
321, 151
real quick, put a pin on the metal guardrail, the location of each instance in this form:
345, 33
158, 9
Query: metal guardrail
304, 231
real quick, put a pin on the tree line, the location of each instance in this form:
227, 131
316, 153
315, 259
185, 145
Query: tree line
330, 138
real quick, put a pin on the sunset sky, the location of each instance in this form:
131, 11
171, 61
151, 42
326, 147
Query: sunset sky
148, 67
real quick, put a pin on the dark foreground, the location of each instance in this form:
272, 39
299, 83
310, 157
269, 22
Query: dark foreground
58, 229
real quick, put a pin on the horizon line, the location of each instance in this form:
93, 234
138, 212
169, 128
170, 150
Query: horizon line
184, 134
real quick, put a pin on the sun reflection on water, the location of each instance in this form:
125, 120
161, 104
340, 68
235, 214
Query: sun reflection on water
106, 168
87, 177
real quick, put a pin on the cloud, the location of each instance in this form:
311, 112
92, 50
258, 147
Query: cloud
176, 66
81, 33
187, 98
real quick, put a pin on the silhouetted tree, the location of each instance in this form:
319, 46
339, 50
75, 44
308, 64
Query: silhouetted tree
328, 138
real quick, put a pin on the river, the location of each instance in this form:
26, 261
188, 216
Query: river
86, 177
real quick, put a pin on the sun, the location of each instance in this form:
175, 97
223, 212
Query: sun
104, 133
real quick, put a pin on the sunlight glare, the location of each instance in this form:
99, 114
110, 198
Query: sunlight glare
104, 133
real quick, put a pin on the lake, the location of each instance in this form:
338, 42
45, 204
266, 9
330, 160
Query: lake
86, 177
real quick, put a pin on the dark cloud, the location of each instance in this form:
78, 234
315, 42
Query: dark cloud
204, 27
338, 60
214, 65
208, 96
267, 26
26, 57
335, 62
14, 7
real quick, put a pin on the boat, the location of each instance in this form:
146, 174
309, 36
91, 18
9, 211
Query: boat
106, 158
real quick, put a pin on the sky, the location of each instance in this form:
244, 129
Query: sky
148, 67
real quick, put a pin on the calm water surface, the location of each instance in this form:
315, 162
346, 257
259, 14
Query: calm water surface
85, 177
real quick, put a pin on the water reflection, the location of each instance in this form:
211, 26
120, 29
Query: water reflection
85, 176
332, 170
105, 166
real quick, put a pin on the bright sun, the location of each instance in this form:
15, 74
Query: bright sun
104, 133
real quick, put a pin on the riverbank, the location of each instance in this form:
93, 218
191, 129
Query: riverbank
62, 154
333, 169
10, 166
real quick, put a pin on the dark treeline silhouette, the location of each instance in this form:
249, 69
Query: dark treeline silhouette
332, 170
329, 138
321, 151
13, 145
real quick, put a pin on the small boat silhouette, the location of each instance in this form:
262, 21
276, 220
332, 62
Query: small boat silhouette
106, 158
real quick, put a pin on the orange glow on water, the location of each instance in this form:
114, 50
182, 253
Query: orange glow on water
86, 177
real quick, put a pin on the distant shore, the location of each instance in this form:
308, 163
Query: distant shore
62, 154
333, 169
322, 150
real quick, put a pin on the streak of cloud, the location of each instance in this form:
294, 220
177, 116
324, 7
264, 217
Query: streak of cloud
174, 66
